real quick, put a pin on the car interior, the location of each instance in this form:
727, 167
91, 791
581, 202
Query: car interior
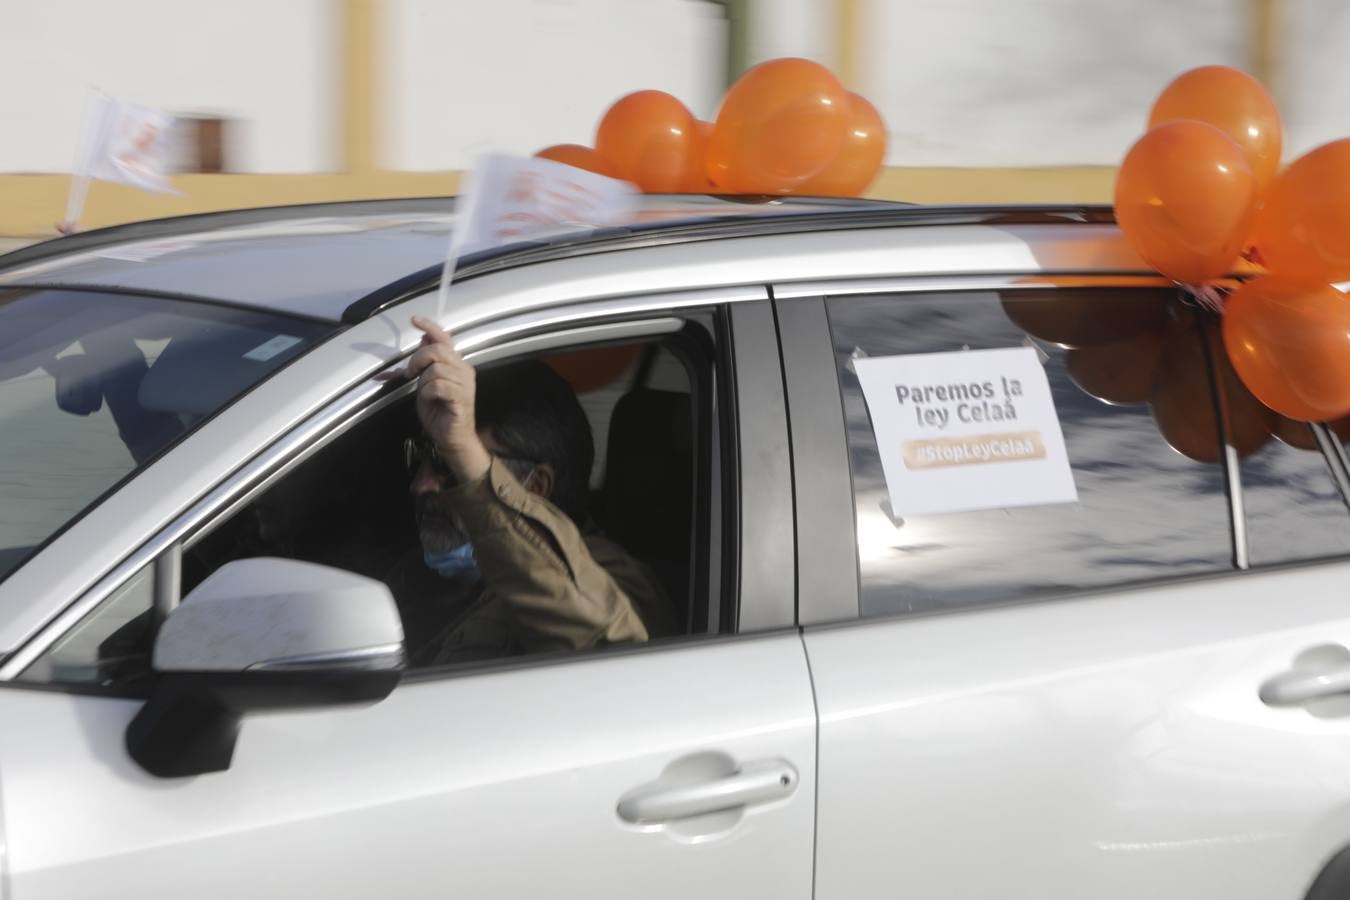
649, 408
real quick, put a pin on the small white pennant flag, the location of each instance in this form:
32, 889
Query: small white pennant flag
120, 142
513, 198
129, 144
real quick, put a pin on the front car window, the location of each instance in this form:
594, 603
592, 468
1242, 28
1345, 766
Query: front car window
94, 385
650, 518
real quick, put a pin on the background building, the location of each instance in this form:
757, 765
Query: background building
325, 99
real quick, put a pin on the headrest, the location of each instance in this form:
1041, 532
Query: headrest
648, 502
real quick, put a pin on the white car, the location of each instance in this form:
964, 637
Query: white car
1140, 692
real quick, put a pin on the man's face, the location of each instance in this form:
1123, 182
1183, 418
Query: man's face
438, 528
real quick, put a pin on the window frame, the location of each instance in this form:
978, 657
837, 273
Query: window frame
832, 590
524, 333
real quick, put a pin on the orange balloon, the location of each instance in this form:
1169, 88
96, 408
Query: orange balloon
782, 122
1120, 373
695, 179
1089, 318
1184, 200
1183, 403
1235, 103
1303, 230
860, 160
1299, 434
579, 156
648, 137
1294, 433
589, 370
1290, 343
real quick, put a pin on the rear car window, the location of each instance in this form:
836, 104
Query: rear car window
1132, 375
94, 385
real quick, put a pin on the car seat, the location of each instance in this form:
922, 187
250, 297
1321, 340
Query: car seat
647, 502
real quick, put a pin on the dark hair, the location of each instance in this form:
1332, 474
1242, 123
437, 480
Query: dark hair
534, 413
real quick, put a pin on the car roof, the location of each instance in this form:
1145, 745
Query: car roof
348, 260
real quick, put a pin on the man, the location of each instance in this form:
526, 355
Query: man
500, 478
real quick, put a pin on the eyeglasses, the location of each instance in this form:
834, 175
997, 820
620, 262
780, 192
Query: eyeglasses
421, 449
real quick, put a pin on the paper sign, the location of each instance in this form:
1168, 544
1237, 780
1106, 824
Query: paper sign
268, 349
975, 429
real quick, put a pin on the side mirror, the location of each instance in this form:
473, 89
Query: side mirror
262, 634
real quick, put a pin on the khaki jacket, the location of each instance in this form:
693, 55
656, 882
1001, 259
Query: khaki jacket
545, 586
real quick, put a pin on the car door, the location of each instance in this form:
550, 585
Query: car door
599, 775
1138, 693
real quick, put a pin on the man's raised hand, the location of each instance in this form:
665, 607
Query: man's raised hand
446, 386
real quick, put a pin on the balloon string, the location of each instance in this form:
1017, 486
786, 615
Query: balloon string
1207, 296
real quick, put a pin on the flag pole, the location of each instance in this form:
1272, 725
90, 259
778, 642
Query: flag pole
80, 174
465, 206
79, 190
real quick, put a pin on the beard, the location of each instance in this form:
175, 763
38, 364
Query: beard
438, 528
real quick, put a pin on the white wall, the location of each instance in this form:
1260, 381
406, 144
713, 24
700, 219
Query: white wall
1035, 82
1314, 84
960, 82
468, 77
268, 63
793, 28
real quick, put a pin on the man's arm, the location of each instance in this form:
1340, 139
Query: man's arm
533, 558
530, 553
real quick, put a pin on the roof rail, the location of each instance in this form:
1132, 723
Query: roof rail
723, 227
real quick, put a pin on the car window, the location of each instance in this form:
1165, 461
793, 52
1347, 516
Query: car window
109, 647
647, 514
353, 506
1293, 508
94, 385
1130, 382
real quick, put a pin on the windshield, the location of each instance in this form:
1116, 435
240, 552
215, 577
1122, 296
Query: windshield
94, 385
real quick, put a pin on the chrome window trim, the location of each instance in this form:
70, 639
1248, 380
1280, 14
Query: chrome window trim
613, 331
334, 419
914, 284
521, 324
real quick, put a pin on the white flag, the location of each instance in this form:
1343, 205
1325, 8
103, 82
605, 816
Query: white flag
126, 143
121, 142
513, 198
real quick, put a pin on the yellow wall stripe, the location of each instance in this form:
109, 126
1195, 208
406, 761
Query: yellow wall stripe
33, 203
359, 82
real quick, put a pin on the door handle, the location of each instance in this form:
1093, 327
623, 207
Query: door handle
753, 783
1295, 688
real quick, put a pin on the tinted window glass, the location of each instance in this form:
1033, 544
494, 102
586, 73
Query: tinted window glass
1294, 509
109, 647
94, 385
1144, 510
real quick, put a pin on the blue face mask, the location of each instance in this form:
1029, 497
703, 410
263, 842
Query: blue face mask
457, 563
